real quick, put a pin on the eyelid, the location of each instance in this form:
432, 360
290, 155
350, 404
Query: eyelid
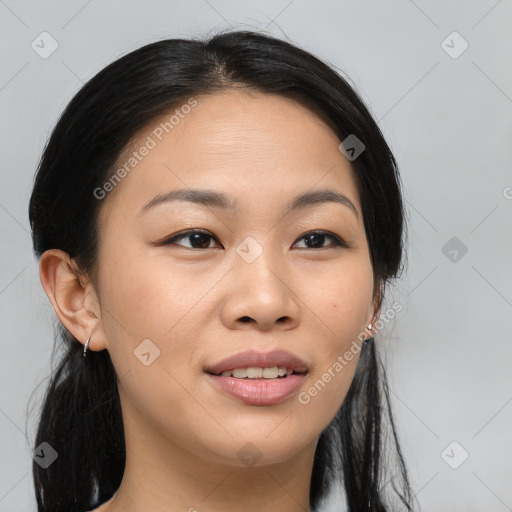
339, 241
184, 234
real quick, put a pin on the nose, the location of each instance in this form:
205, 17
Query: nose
260, 295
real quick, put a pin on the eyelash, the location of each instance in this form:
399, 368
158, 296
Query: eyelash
339, 242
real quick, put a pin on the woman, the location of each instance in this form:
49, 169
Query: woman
216, 222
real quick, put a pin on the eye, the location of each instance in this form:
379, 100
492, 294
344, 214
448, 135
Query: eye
316, 238
200, 239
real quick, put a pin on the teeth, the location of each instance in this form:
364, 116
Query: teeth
270, 373
240, 373
257, 373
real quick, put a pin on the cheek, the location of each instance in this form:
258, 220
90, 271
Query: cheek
340, 307
151, 325
332, 375
341, 300
149, 299
147, 295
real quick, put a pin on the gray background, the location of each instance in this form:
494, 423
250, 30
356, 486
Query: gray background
448, 121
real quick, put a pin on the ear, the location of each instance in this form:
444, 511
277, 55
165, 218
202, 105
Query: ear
73, 298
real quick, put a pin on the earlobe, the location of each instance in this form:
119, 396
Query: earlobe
371, 321
67, 294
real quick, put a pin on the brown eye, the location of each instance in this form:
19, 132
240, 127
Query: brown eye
316, 239
198, 239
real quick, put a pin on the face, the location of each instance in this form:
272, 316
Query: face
183, 285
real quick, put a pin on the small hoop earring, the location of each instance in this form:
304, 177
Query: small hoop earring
86, 346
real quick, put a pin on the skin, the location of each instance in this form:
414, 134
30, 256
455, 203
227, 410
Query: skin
182, 435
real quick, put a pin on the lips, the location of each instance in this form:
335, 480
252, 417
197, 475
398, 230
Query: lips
253, 358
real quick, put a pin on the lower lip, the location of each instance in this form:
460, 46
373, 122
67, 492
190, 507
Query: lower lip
259, 391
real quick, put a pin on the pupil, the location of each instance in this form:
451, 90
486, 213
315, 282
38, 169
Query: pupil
198, 237
316, 237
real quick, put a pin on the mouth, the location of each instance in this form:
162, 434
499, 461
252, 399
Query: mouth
260, 391
261, 373
257, 378
269, 364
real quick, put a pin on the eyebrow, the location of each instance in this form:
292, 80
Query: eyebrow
213, 199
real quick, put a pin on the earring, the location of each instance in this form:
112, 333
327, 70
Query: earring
366, 340
86, 346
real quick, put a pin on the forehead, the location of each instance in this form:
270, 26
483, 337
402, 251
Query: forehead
248, 144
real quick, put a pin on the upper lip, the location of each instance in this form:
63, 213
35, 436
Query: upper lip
259, 360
